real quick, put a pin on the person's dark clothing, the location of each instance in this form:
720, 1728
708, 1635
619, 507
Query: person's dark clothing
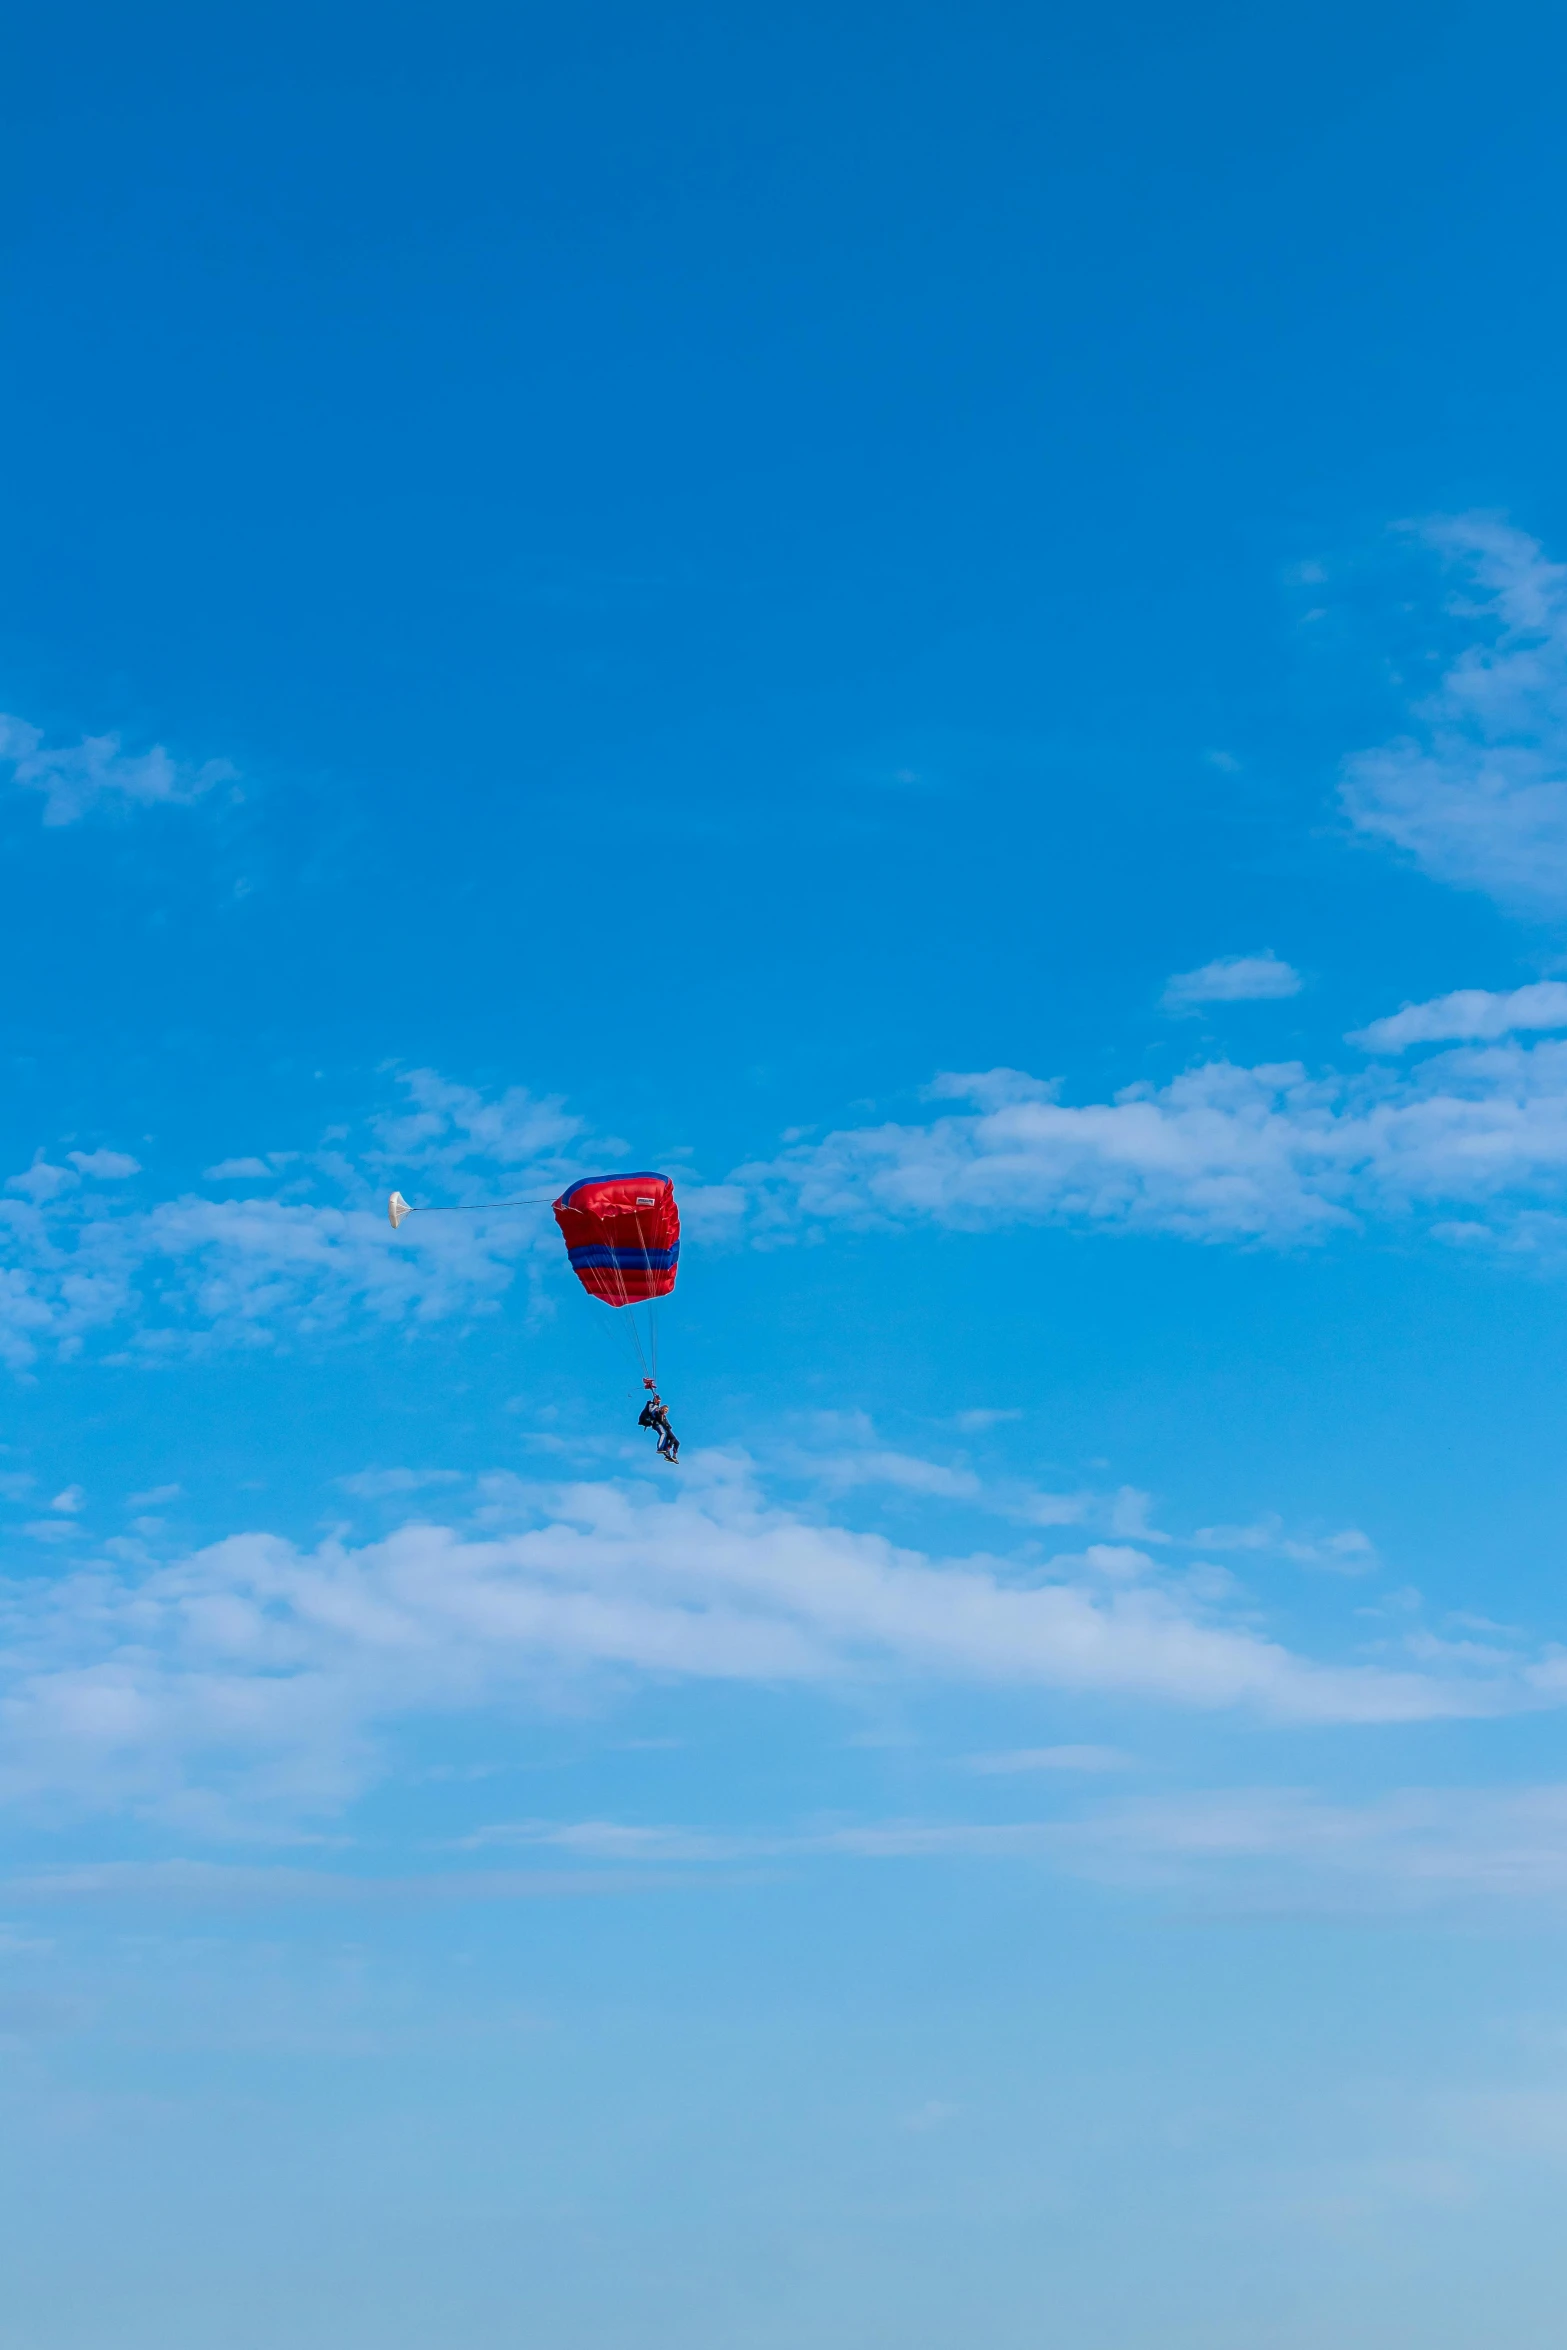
654, 1415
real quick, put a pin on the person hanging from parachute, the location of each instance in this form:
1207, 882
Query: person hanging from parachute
622, 1235
655, 1414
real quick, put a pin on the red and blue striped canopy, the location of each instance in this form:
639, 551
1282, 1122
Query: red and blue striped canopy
622, 1234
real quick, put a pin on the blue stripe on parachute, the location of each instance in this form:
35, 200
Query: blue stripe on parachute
623, 1260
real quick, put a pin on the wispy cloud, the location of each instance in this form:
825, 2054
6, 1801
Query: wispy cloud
1413, 1849
873, 1464
1347, 1551
1470, 1013
1234, 979
840, 1452
108, 1166
392, 1484
1476, 791
181, 1884
1409, 1852
255, 1676
75, 778
1224, 1152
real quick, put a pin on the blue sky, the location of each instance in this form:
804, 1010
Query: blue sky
951, 624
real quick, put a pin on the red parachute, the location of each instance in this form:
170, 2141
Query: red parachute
622, 1234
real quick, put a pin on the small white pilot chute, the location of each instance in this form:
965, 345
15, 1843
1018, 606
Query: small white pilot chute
397, 1207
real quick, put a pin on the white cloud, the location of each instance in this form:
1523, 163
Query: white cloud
1234, 979
1033, 1508
880, 1465
1414, 1849
80, 776
1476, 792
232, 1170
1472, 1013
188, 1884
1129, 1514
1346, 1552
855, 1457
848, 1453
42, 1181
1220, 1153
384, 1484
1249, 1848
256, 1674
108, 1166
449, 1129
712, 1210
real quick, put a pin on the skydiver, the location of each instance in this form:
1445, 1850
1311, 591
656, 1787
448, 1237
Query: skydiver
654, 1414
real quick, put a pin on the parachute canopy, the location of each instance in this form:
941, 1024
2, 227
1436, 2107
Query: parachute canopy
622, 1234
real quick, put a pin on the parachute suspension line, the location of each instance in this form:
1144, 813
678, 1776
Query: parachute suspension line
651, 1365
646, 1341
626, 1316
617, 1358
652, 1338
646, 1350
630, 1313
